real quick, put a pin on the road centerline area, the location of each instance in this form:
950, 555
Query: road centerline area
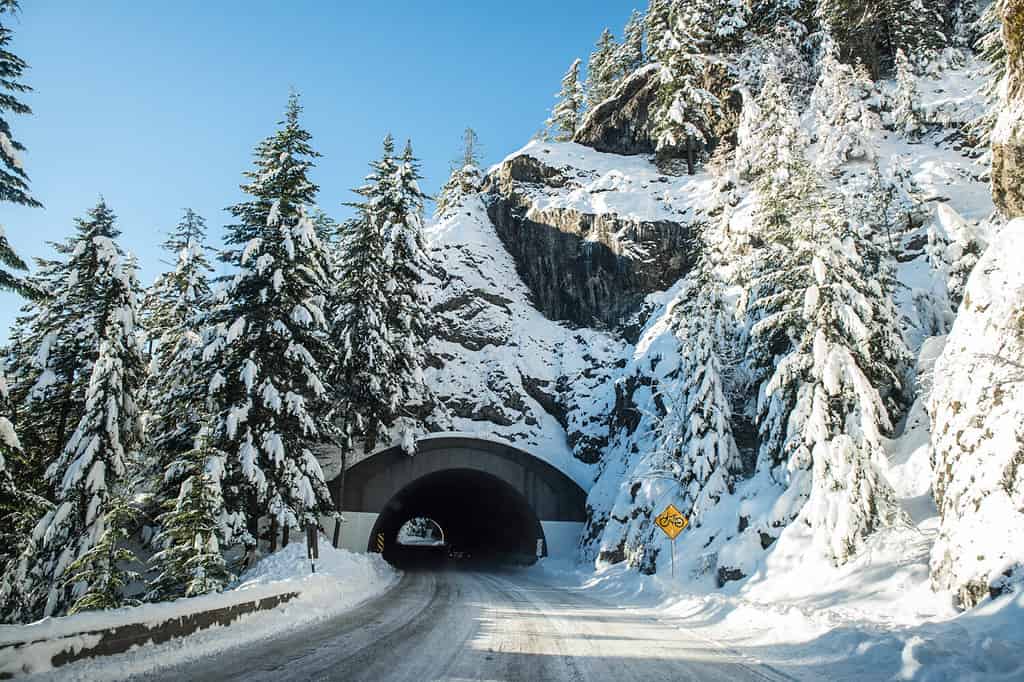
475, 625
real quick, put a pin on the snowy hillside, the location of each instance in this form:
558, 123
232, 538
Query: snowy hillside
554, 332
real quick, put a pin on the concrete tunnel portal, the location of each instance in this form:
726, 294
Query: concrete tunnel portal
493, 501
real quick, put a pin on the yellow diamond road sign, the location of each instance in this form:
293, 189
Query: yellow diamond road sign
671, 521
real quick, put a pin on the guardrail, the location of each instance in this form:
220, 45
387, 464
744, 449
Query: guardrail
25, 657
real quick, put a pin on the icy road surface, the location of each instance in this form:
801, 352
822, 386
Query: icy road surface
462, 625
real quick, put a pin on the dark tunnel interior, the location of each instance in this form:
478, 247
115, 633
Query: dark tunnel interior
485, 521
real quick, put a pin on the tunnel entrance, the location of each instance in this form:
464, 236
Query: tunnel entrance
484, 520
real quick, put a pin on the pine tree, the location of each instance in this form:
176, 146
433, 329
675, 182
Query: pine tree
465, 177
410, 263
13, 179
683, 110
717, 25
268, 353
565, 117
56, 341
177, 305
697, 433
844, 119
992, 50
19, 507
189, 561
359, 312
104, 569
830, 339
630, 55
769, 135
915, 27
378, 314
658, 26
871, 32
768, 17
602, 69
93, 464
906, 114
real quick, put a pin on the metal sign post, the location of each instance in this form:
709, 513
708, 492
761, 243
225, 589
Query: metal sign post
312, 545
672, 522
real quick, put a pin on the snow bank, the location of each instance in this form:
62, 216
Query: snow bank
342, 581
850, 624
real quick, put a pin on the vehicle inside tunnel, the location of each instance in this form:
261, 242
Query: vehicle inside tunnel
484, 520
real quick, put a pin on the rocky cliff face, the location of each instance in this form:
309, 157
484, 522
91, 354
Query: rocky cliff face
592, 235
498, 367
1008, 135
977, 408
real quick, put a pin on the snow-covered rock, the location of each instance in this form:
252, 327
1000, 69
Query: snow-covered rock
977, 410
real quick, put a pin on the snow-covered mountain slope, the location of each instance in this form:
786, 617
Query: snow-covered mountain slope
499, 368
553, 295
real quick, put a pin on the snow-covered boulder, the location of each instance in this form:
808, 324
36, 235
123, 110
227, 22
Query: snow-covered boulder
977, 411
621, 124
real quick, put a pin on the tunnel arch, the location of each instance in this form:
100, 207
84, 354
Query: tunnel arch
483, 517
488, 495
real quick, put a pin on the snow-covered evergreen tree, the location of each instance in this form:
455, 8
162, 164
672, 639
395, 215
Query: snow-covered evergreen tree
831, 341
93, 464
658, 27
696, 434
683, 109
105, 569
872, 31
189, 561
630, 55
378, 312
990, 46
603, 69
177, 305
907, 117
770, 16
19, 506
55, 342
268, 352
465, 177
565, 117
718, 25
409, 265
768, 136
13, 178
843, 116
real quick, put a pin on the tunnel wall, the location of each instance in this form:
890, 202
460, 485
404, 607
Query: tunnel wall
370, 484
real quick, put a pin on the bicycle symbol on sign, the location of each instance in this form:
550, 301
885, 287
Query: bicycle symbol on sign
671, 521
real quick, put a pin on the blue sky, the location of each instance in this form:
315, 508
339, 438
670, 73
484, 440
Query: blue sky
157, 106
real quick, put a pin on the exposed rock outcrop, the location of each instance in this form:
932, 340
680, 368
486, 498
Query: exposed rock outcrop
591, 269
977, 409
622, 124
619, 125
1008, 135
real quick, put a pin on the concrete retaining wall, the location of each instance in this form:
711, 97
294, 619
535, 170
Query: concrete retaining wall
29, 656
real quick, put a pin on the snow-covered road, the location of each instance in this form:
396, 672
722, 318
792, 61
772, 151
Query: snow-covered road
463, 625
